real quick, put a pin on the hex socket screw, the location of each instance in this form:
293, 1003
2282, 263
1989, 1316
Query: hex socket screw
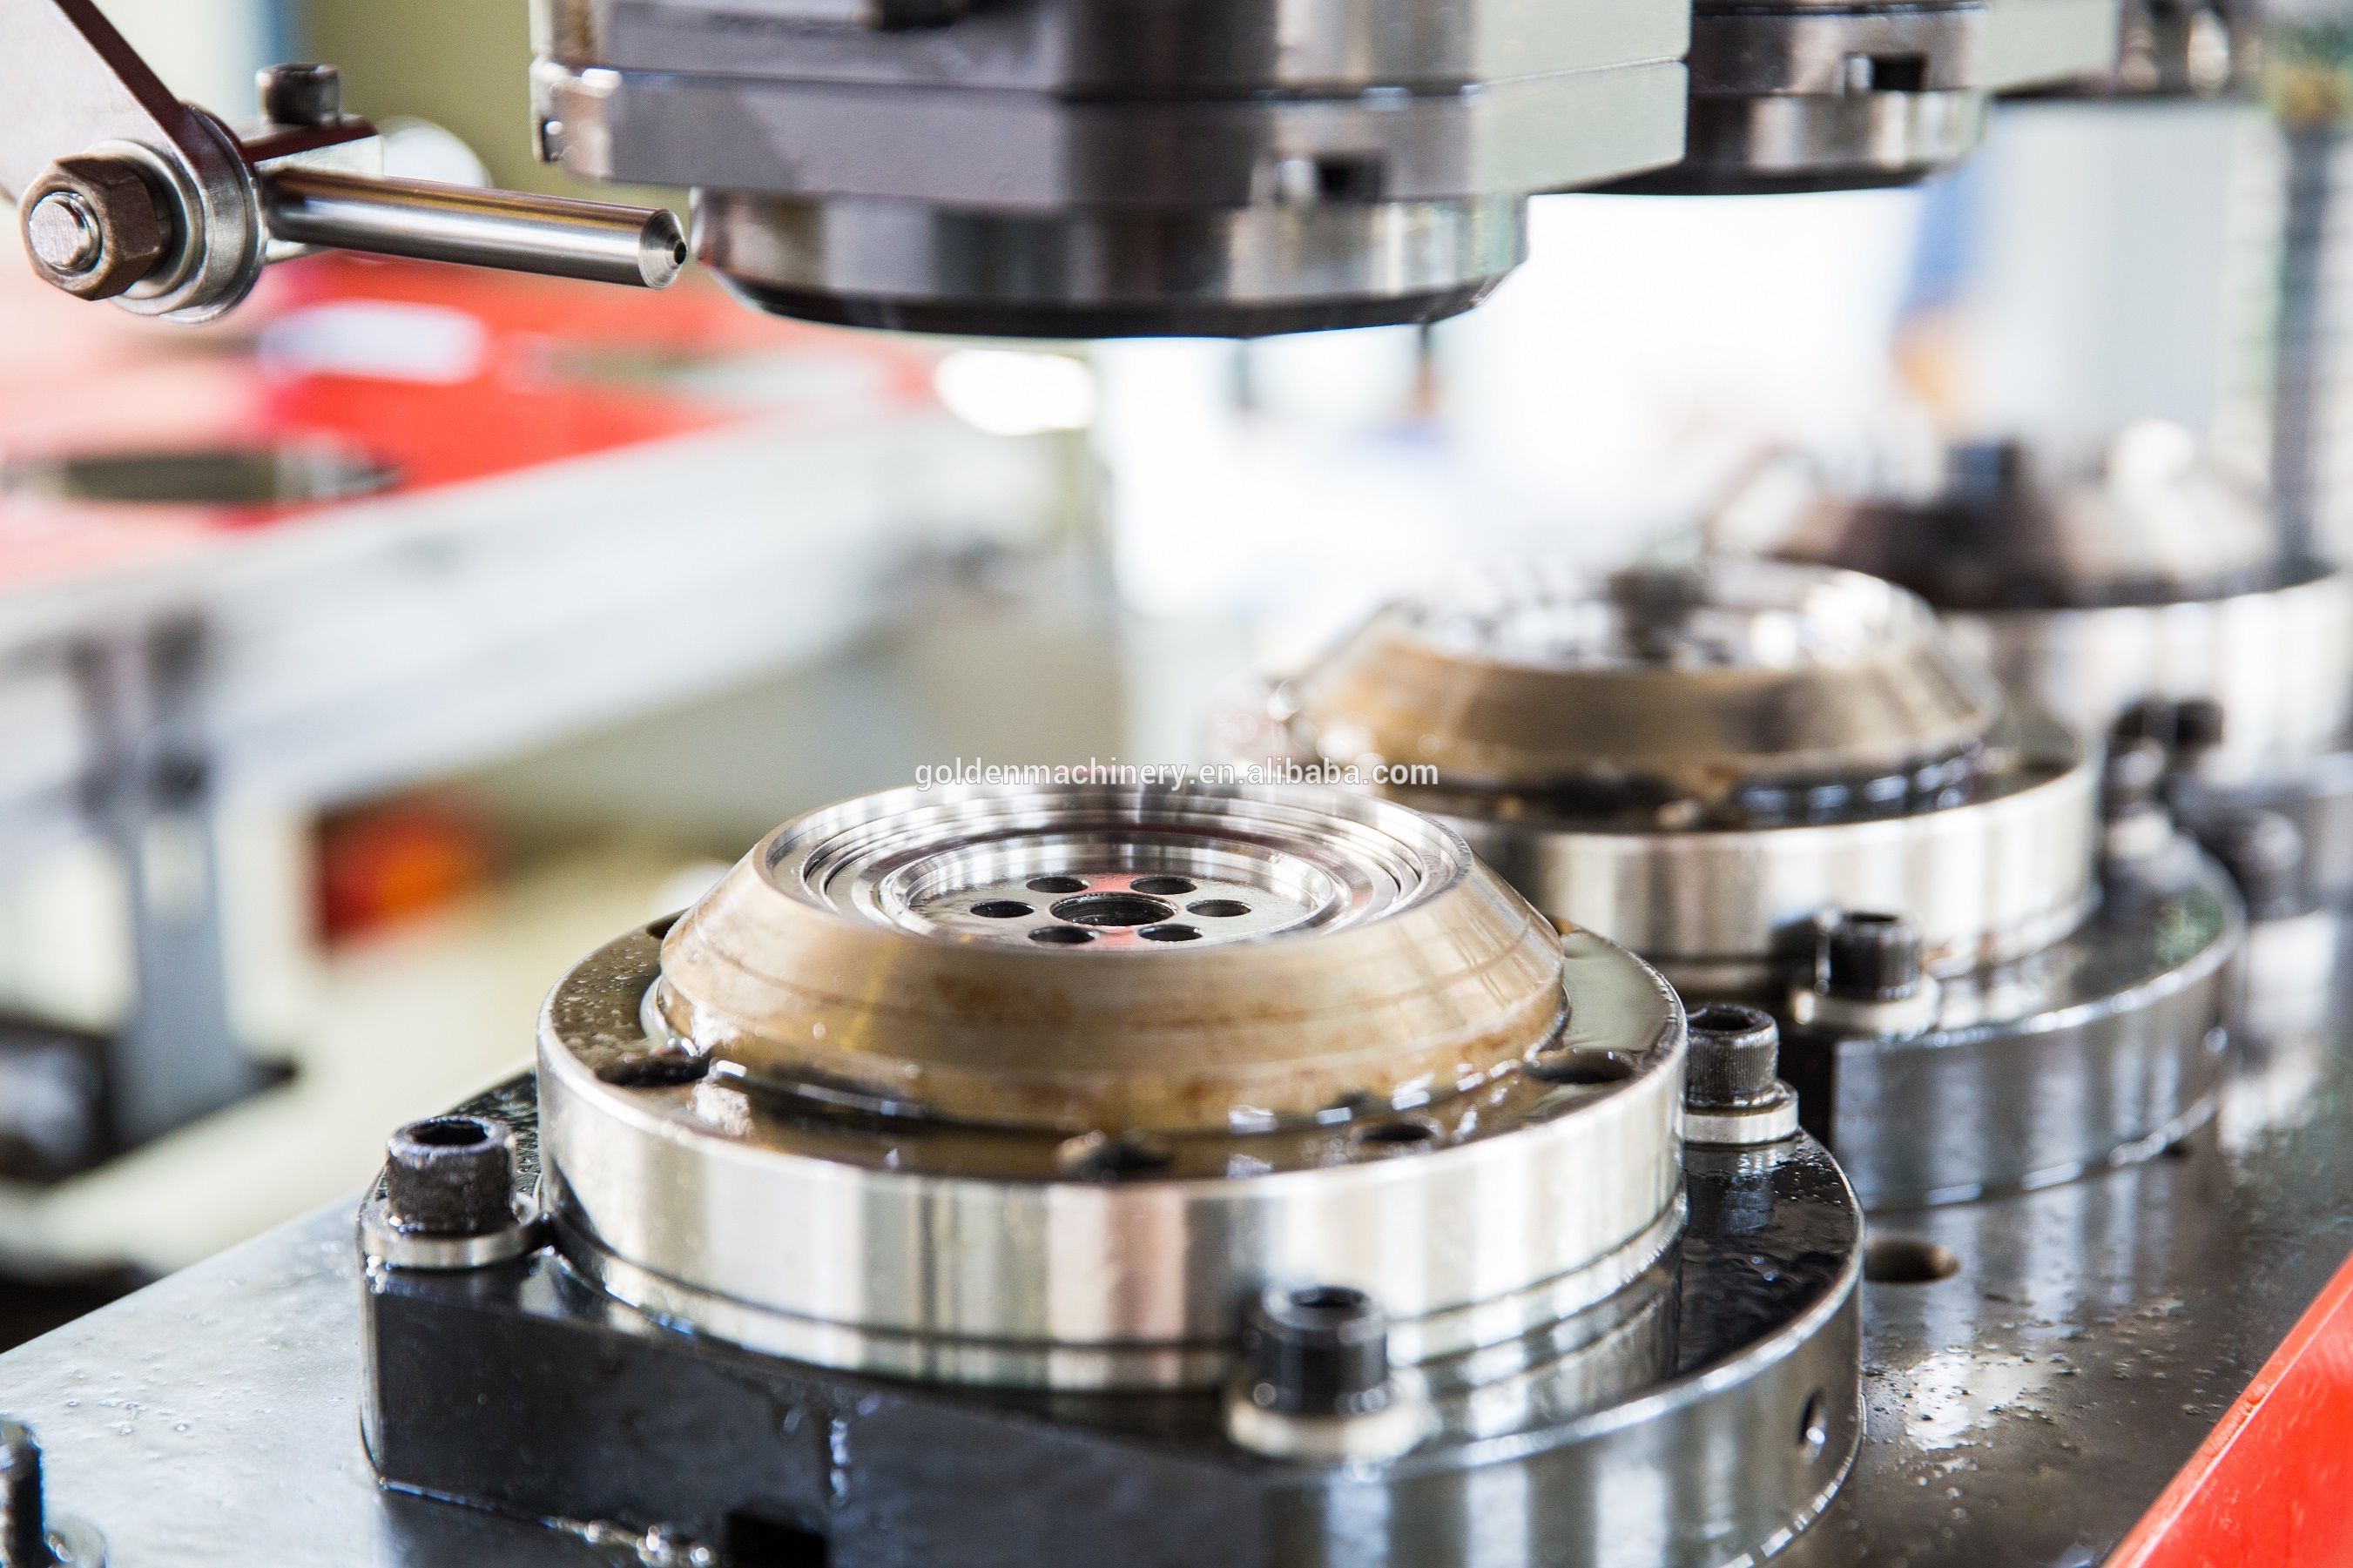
300, 94
1871, 958
1316, 1350
1735, 1053
451, 1175
2131, 777
24, 1532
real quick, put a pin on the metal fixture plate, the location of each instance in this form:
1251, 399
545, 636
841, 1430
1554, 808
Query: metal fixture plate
525, 1389
2016, 1411
2102, 1050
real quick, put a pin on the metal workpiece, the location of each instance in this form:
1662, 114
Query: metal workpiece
2150, 574
2101, 1050
1196, 961
1042, 168
603, 243
1724, 1379
1535, 1178
1698, 764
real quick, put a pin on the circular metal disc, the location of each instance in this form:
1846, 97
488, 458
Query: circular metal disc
1111, 960
1693, 681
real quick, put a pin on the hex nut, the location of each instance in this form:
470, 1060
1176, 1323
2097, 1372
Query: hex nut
451, 1175
93, 227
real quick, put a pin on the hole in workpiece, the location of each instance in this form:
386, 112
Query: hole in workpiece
1589, 1070
653, 1069
1170, 933
1813, 1427
1218, 908
1061, 936
448, 1133
1165, 885
1055, 885
756, 1542
1002, 908
1100, 1157
1112, 910
1907, 1260
1398, 1134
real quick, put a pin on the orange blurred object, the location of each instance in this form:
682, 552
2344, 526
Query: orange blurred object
382, 864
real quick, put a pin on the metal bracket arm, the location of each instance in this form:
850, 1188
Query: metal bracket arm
125, 193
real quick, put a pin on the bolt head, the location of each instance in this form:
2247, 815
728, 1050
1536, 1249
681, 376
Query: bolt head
451, 1175
1871, 957
93, 227
1734, 1055
300, 94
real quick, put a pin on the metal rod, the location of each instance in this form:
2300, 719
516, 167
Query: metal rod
603, 243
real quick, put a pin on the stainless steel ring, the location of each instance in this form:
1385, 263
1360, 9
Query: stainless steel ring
2280, 662
1986, 883
1134, 1275
1241, 271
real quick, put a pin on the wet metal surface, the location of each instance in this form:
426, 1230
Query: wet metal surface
2028, 1409
2025, 1410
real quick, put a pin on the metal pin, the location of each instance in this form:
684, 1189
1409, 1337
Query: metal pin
563, 238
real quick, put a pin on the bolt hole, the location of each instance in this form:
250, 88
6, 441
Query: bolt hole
1112, 910
1002, 908
1907, 1260
1218, 908
1170, 933
1813, 1427
448, 1133
1061, 936
1056, 884
1398, 1134
653, 1069
1587, 1069
1169, 885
